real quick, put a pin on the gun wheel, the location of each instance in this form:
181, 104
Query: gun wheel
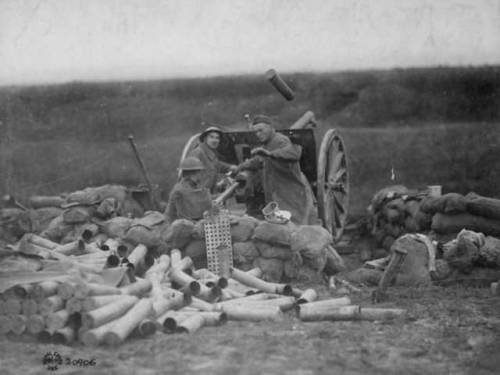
333, 184
188, 147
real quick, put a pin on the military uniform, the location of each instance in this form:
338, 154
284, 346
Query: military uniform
187, 200
283, 180
213, 165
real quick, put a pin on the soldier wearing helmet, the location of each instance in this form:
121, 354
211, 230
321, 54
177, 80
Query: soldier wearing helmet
189, 198
206, 151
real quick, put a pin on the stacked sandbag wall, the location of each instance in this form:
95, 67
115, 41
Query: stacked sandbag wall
395, 211
63, 218
93, 215
453, 212
281, 251
465, 230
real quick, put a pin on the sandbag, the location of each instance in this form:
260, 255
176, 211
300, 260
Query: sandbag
449, 247
242, 228
78, 214
29, 221
291, 268
246, 266
423, 220
489, 253
483, 206
199, 230
76, 232
16, 223
310, 240
267, 250
431, 205
107, 208
87, 196
9, 214
178, 234
393, 230
411, 225
42, 217
150, 219
388, 192
463, 252
118, 192
412, 207
367, 276
443, 270
308, 275
379, 235
247, 218
244, 252
272, 269
278, 234
452, 203
197, 251
129, 207
57, 229
146, 230
415, 268
161, 249
442, 223
116, 227
334, 262
392, 215
9, 219
92, 195
139, 234
397, 204
318, 262
39, 201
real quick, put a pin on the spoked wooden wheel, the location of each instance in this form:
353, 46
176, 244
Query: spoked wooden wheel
188, 147
333, 184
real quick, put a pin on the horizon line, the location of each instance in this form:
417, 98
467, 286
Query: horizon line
189, 77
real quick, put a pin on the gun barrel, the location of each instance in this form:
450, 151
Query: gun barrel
279, 84
226, 194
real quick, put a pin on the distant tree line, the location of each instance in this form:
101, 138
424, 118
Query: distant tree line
350, 98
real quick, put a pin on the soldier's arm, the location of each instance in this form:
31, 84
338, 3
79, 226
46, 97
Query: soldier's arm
287, 151
253, 164
223, 167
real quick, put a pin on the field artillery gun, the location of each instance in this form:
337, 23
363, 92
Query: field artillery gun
326, 169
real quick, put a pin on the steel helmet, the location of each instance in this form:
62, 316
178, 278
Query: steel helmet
210, 129
191, 163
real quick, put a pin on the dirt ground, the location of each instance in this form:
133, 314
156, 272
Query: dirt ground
452, 330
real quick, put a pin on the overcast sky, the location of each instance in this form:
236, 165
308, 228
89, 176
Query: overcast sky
64, 40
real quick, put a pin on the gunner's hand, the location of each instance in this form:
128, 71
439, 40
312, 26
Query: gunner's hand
260, 151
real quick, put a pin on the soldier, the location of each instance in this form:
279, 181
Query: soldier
283, 180
206, 151
189, 198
